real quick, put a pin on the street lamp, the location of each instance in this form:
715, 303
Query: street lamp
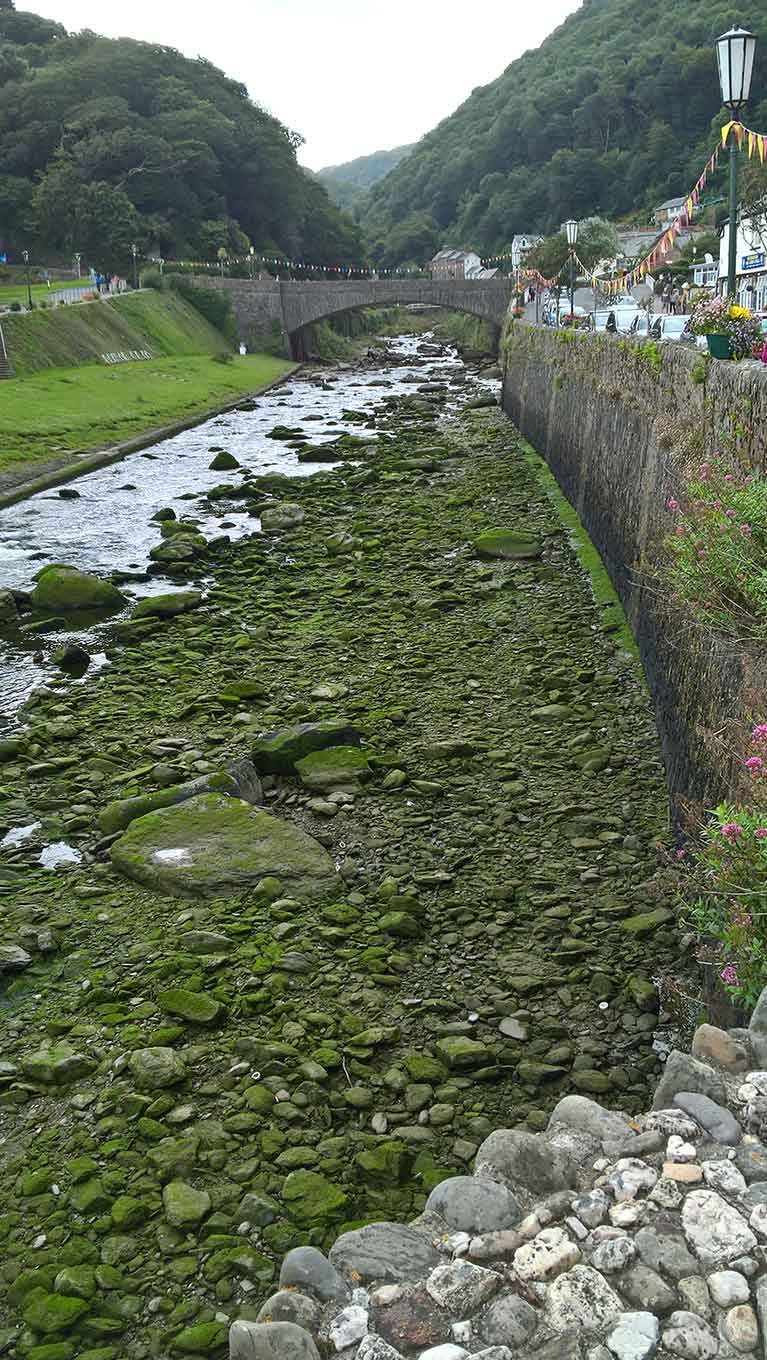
252, 261
78, 258
735, 54
134, 253
25, 258
571, 228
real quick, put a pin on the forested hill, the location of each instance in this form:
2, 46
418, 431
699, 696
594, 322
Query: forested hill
611, 115
348, 184
105, 142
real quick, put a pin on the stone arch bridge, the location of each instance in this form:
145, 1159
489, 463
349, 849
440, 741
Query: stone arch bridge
273, 310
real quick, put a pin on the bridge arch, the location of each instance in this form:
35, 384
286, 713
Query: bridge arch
270, 307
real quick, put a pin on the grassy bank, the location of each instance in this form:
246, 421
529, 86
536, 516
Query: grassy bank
66, 410
65, 337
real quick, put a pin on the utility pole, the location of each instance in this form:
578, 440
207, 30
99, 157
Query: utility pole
25, 258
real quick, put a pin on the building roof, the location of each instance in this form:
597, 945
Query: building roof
670, 203
447, 255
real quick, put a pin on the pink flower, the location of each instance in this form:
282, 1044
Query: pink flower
761, 833
729, 477
731, 831
729, 975
672, 505
730, 514
701, 553
760, 732
754, 765
745, 529
680, 854
717, 505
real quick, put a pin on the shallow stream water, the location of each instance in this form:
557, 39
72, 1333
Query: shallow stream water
108, 527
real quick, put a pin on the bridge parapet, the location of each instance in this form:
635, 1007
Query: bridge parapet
277, 310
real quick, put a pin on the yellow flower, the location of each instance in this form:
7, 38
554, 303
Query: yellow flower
739, 311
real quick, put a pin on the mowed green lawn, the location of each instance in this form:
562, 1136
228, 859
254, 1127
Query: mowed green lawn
17, 292
59, 410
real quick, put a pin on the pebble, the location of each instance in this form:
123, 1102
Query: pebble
728, 1287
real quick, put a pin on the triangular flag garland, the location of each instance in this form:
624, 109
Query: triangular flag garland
259, 262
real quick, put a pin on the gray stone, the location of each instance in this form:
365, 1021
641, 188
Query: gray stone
586, 1116
494, 1353
509, 1321
525, 1163
155, 1068
549, 1254
754, 1194
713, 1117
288, 1305
635, 1337
375, 1348
471, 1205
270, 1341
462, 1288
592, 1208
724, 1177
348, 1327
760, 1291
614, 1255
751, 1161
581, 1299
684, 1073
758, 1022
716, 1046
716, 1232
741, 1329
690, 1337
728, 1287
13, 958
662, 1248
693, 1291
384, 1251
307, 1268
644, 1288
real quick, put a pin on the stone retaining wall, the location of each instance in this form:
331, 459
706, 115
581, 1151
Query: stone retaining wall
618, 423
603, 1238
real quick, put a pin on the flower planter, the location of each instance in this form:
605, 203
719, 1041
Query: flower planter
719, 346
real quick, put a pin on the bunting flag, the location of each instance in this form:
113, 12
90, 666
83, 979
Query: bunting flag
281, 262
754, 141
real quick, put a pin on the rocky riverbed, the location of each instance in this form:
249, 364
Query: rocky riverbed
358, 865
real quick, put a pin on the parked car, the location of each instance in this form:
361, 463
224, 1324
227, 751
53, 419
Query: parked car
673, 330
599, 321
641, 325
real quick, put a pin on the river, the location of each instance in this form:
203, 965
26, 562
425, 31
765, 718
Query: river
108, 528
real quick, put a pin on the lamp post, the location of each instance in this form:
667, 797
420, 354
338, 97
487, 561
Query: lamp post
25, 258
78, 258
571, 227
252, 253
735, 55
134, 253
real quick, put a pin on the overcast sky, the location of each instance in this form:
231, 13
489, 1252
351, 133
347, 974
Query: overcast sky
352, 76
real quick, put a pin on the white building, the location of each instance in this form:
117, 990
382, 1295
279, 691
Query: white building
705, 273
455, 264
520, 246
751, 262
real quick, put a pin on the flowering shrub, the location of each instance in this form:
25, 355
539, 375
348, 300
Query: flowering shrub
718, 549
717, 316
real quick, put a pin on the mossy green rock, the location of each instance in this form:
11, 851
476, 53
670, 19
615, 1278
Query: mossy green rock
167, 606
279, 752
204, 1339
461, 1053
647, 922
508, 544
338, 767
212, 844
56, 1065
401, 925
53, 1350
63, 589
78, 1282
196, 1007
223, 462
281, 516
386, 1164
155, 1068
311, 1198
51, 1313
184, 1206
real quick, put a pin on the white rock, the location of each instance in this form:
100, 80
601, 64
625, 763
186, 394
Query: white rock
666, 1194
635, 1337
677, 1150
716, 1232
551, 1253
461, 1287
728, 1287
610, 1257
723, 1176
759, 1080
630, 1177
581, 1298
688, 1336
462, 1332
670, 1122
694, 1293
577, 1228
592, 1208
741, 1328
348, 1327
447, 1351
628, 1215
746, 1092
375, 1348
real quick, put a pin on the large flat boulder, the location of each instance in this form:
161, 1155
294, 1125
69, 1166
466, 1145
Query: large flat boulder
279, 752
65, 589
212, 844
